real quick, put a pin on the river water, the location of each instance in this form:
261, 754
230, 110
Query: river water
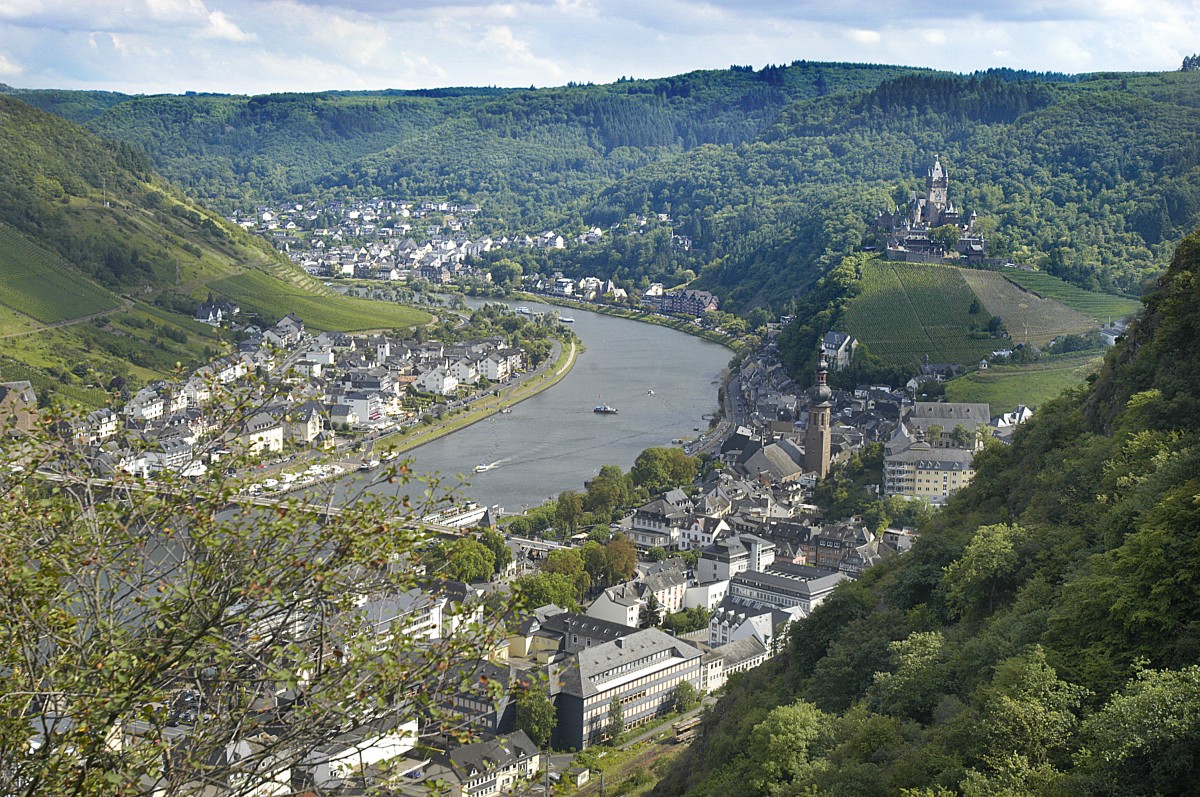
661, 381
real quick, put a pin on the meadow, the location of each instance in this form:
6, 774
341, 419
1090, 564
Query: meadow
1029, 318
261, 293
1004, 387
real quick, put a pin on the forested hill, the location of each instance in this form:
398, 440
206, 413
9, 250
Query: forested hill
775, 174
1042, 638
522, 152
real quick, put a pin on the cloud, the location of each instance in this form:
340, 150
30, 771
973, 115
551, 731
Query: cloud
222, 27
864, 36
250, 46
8, 68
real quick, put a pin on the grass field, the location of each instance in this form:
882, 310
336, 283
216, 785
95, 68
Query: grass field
908, 310
1102, 307
42, 286
1029, 318
1005, 387
257, 292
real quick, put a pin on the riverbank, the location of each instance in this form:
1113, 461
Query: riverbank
545, 378
735, 345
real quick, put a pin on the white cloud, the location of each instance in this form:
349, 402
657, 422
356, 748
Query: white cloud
222, 27
276, 45
864, 36
8, 68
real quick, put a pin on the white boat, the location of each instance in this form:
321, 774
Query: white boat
523, 310
480, 468
649, 392
566, 320
604, 409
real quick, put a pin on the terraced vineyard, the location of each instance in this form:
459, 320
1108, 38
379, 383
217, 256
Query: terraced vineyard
260, 293
906, 311
1102, 307
42, 286
1028, 317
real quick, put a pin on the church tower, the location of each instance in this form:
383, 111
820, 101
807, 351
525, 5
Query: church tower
816, 441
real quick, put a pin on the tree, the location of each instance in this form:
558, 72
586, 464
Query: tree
567, 511
779, 746
620, 560
914, 688
615, 727
974, 581
569, 563
541, 589
494, 542
945, 237
610, 490
468, 560
150, 631
687, 697
651, 611
536, 715
659, 469
1144, 740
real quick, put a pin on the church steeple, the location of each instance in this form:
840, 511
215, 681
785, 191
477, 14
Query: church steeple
816, 442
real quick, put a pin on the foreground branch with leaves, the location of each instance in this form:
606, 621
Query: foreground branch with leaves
165, 637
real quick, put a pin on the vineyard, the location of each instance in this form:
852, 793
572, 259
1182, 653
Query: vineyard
44, 287
257, 292
906, 311
1103, 307
1028, 317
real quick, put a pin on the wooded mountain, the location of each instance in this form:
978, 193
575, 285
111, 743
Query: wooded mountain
774, 174
1041, 638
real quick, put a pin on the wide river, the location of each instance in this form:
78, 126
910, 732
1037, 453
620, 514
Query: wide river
662, 382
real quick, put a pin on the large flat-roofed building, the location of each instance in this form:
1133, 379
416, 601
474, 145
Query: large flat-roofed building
785, 586
641, 671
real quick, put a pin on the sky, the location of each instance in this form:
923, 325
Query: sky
262, 46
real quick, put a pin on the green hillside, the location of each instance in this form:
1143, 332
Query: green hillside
907, 311
1102, 307
1004, 387
1041, 636
41, 285
774, 174
83, 220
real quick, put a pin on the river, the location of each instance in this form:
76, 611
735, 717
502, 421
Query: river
661, 381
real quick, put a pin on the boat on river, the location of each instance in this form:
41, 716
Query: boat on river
480, 468
604, 409
566, 320
524, 311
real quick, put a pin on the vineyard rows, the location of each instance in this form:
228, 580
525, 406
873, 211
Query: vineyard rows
906, 311
1102, 307
42, 286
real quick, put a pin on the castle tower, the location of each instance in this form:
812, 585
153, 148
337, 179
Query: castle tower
937, 191
816, 440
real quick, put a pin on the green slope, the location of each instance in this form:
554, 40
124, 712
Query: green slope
82, 220
1039, 639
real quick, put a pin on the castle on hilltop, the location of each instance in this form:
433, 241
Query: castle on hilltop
908, 230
